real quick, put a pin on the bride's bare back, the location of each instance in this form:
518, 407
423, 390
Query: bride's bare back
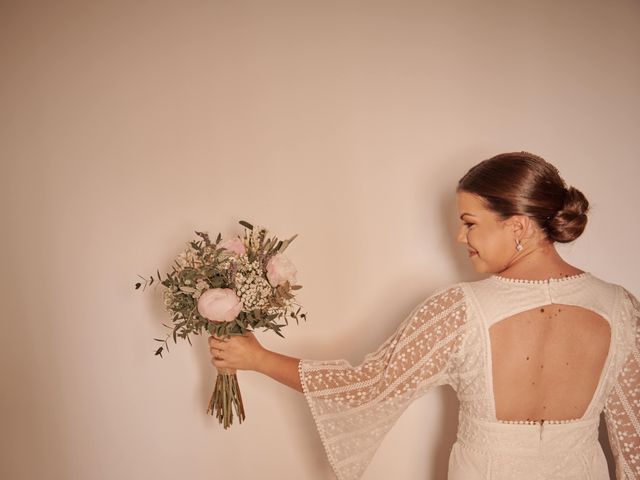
547, 362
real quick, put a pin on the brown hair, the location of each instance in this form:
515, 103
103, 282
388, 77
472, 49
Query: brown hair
521, 183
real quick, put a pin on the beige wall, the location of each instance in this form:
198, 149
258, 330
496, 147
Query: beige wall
127, 125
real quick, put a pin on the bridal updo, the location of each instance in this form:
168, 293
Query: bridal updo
521, 183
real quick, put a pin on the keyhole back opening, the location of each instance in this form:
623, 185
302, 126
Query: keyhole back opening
547, 362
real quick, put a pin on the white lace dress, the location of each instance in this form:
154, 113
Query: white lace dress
445, 340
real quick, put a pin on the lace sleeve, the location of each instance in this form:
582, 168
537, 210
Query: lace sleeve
622, 409
355, 406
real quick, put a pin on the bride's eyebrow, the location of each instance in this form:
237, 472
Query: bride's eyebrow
465, 213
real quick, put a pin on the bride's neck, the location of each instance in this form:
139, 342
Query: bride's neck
540, 263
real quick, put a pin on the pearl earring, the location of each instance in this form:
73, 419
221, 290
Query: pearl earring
519, 246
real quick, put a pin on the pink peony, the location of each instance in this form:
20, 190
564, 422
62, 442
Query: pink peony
280, 269
219, 305
234, 244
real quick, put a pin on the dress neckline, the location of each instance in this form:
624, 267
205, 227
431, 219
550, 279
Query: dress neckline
577, 276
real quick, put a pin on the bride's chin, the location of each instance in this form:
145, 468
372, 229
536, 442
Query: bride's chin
479, 266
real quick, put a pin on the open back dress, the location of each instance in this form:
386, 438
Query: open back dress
454, 337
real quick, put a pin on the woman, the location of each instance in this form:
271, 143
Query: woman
535, 351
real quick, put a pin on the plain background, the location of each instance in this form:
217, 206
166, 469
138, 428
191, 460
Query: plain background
127, 125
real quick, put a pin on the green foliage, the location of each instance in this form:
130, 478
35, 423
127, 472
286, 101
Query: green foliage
204, 266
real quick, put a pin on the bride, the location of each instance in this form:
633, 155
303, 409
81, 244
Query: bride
535, 351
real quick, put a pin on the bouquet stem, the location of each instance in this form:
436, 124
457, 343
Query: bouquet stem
226, 398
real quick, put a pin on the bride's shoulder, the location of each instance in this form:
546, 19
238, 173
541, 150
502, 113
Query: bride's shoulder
460, 290
631, 299
614, 286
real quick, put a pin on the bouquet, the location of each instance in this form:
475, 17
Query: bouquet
229, 288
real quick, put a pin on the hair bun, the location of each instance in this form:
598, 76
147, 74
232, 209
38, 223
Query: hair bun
570, 221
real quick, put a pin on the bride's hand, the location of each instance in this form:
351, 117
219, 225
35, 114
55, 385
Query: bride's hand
240, 352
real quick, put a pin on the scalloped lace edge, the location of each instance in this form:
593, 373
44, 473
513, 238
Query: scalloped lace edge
314, 414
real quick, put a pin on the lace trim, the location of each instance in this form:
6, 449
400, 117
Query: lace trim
548, 280
536, 422
314, 414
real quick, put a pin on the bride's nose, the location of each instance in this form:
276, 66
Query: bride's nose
462, 237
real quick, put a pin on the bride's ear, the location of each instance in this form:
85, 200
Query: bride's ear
521, 226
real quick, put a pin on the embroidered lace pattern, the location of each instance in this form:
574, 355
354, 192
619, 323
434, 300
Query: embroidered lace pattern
355, 406
445, 340
623, 403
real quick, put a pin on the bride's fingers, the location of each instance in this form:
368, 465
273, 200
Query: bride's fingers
216, 350
216, 361
217, 340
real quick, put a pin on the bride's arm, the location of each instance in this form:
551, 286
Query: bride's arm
280, 367
622, 409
